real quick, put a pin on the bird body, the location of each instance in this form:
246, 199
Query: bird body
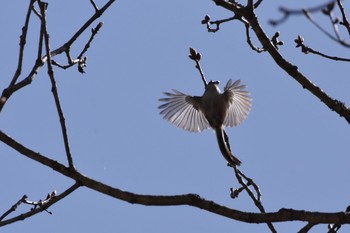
213, 109
214, 106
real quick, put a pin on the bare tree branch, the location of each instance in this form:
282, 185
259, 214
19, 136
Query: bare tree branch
196, 57
306, 49
22, 44
257, 4
7, 92
217, 23
98, 13
256, 200
80, 60
289, 12
345, 21
194, 200
306, 228
43, 6
13, 208
43, 206
288, 67
94, 5
326, 9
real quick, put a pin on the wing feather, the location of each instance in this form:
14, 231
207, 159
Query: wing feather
240, 103
183, 111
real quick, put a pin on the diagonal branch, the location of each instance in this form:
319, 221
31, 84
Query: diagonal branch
306, 228
289, 12
306, 49
79, 60
97, 14
43, 7
334, 104
7, 92
13, 208
42, 207
345, 22
22, 44
257, 200
94, 5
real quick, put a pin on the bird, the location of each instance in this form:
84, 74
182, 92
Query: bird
213, 109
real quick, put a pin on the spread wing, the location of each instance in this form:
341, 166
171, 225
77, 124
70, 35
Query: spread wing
183, 111
240, 103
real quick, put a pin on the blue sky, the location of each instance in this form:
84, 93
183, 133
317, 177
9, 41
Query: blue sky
291, 144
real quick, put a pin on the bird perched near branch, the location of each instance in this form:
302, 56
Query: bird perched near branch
213, 109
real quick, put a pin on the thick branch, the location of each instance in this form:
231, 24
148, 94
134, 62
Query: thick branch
186, 199
289, 68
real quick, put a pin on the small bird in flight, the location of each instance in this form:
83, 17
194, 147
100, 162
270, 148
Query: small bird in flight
213, 109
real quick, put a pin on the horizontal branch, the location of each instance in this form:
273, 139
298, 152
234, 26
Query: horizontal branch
175, 200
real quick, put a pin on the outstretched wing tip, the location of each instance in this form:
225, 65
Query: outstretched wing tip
240, 105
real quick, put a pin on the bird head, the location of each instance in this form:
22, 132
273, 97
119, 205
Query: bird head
213, 85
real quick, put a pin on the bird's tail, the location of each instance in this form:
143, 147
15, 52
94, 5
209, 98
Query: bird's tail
224, 148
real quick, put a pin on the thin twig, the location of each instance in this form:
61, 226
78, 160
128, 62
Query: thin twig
307, 227
306, 49
94, 31
250, 181
324, 31
7, 92
289, 12
217, 23
97, 14
327, 10
256, 200
13, 208
249, 40
335, 58
36, 12
41, 207
79, 60
196, 57
256, 5
345, 20
335, 27
199, 68
54, 90
22, 44
94, 5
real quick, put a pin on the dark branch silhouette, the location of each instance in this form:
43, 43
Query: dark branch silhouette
242, 13
194, 200
249, 15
